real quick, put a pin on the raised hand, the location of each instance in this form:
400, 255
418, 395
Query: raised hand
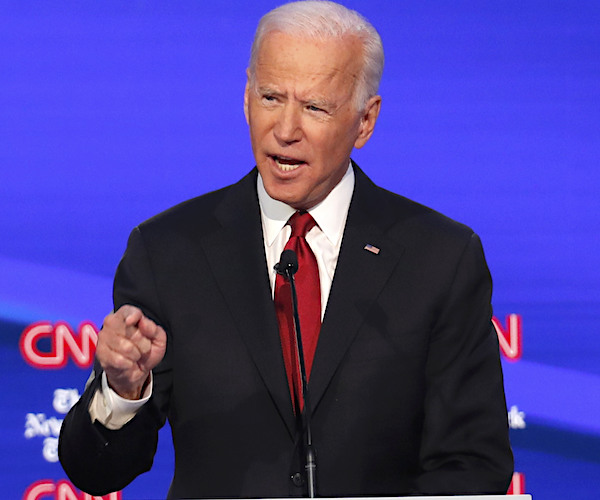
129, 346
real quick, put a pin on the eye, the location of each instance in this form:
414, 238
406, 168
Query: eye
315, 109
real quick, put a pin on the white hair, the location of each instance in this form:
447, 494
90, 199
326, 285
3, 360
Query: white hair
323, 20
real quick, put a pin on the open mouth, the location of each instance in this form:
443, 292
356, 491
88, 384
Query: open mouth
287, 164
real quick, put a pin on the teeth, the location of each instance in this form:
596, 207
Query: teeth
287, 167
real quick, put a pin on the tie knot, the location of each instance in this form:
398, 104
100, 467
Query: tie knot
301, 223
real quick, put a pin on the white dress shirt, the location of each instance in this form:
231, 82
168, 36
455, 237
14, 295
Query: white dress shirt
324, 239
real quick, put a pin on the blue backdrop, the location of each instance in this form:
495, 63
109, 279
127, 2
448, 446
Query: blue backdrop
112, 111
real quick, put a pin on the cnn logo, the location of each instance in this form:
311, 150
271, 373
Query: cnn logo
47, 489
44, 345
510, 337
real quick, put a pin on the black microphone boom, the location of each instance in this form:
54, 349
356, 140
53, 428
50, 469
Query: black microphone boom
288, 266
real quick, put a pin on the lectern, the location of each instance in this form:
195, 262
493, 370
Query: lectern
452, 497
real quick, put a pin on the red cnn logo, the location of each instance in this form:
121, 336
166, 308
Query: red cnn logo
511, 337
64, 344
517, 485
62, 490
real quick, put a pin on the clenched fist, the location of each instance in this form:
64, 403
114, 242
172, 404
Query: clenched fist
129, 346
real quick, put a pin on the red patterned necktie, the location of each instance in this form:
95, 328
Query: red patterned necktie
308, 290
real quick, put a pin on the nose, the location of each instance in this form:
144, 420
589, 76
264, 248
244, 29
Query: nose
288, 126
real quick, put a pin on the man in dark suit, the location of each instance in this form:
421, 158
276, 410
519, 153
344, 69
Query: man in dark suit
406, 385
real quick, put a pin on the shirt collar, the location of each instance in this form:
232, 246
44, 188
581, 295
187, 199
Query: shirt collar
330, 215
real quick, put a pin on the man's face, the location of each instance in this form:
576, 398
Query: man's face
302, 116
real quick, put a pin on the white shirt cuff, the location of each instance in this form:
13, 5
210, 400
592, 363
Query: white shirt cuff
113, 411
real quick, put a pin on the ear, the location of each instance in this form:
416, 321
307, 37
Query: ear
246, 92
367, 121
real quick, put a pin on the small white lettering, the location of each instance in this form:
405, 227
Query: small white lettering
37, 424
65, 399
50, 449
40, 425
516, 418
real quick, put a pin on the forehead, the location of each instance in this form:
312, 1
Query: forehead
288, 57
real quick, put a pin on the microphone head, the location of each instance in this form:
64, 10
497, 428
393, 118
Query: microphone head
288, 263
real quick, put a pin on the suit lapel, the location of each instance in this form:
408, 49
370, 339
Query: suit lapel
359, 277
236, 254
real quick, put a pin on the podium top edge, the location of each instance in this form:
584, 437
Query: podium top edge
439, 497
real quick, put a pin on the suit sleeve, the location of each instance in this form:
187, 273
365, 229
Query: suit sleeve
465, 446
96, 459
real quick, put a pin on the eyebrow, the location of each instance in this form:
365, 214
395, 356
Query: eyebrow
267, 90
318, 102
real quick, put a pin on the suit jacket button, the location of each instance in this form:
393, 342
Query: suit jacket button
298, 479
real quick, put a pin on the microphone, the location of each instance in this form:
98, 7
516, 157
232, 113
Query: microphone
288, 266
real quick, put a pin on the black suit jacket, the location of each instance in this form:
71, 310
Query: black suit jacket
406, 384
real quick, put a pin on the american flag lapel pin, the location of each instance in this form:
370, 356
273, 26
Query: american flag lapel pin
372, 249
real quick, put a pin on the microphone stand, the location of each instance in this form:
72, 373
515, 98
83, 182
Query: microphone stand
311, 464
288, 265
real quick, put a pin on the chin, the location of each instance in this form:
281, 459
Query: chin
288, 200
278, 192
